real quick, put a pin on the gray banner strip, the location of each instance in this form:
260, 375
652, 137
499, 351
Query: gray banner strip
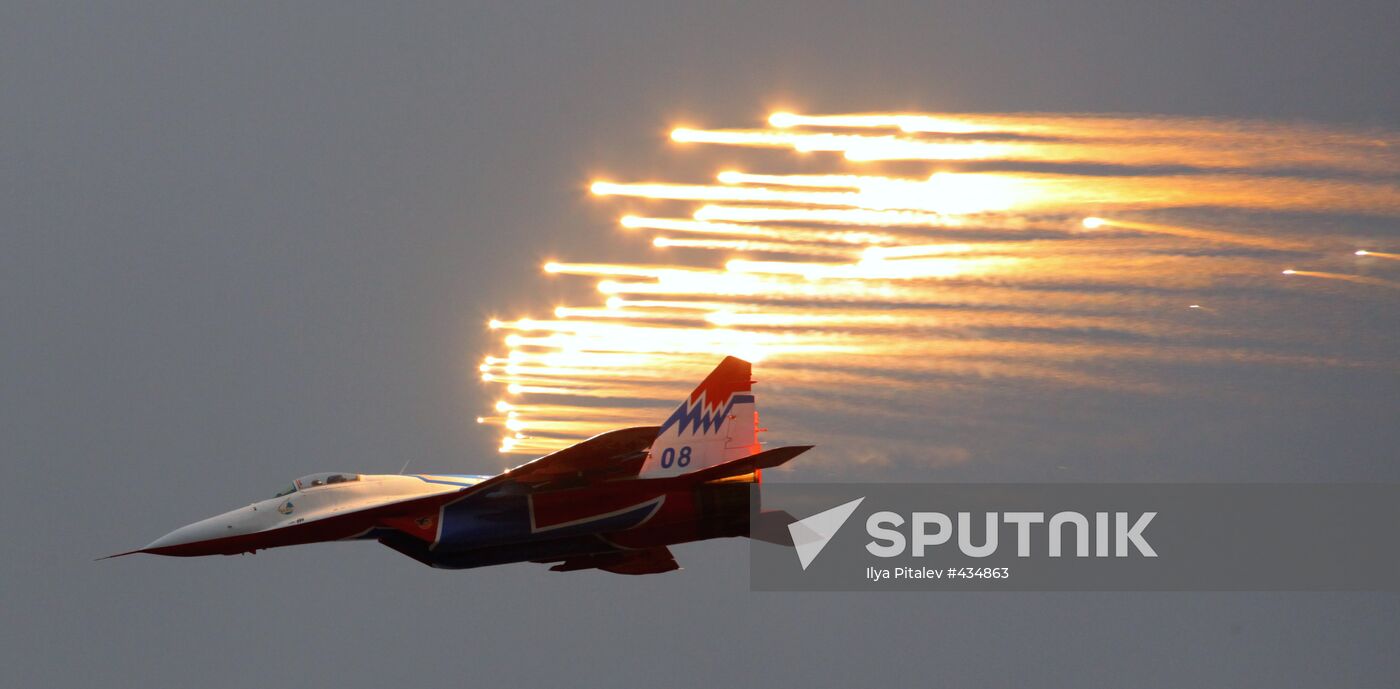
1076, 537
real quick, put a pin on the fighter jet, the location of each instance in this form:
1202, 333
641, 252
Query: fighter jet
614, 502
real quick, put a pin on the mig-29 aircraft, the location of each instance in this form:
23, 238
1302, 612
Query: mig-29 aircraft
614, 502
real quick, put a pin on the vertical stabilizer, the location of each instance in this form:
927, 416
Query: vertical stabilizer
717, 423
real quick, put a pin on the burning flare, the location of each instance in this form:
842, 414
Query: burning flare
942, 250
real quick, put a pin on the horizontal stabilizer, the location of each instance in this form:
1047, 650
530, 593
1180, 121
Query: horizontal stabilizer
772, 527
748, 465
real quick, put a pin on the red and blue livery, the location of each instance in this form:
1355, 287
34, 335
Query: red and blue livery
615, 502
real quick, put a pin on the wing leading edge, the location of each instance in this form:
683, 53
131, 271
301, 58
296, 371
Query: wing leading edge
645, 561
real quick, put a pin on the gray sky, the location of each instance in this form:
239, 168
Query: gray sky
241, 245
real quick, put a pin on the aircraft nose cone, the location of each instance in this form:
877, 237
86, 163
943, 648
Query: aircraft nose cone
199, 538
185, 535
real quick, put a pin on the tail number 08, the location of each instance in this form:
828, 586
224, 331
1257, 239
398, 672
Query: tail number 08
669, 456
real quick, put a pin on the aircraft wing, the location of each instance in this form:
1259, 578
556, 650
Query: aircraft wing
644, 561
608, 456
611, 455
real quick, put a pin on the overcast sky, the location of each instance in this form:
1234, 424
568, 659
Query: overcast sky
242, 244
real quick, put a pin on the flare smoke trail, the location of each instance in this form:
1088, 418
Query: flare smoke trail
943, 253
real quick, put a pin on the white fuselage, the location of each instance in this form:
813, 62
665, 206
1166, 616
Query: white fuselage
309, 503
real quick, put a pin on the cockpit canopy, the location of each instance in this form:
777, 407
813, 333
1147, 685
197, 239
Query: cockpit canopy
314, 480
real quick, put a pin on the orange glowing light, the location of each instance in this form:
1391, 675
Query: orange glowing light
783, 120
868, 278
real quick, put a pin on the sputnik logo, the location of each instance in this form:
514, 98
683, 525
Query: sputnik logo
810, 535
